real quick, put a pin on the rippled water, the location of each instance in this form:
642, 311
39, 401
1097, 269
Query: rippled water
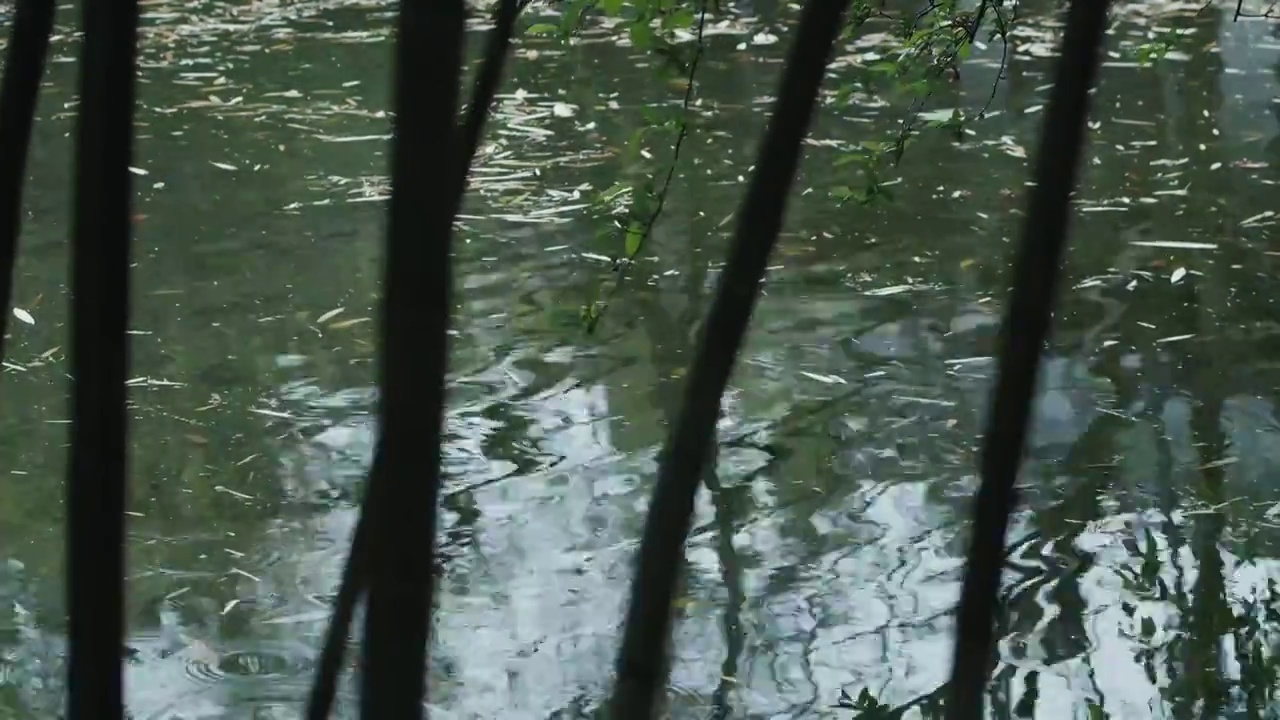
827, 558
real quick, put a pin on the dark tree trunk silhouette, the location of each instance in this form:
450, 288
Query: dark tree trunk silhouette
101, 234
24, 66
1022, 335
642, 660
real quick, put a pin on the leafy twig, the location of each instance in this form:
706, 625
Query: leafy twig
596, 310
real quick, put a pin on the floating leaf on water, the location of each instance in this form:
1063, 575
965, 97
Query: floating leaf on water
1230, 460
891, 290
1252, 220
348, 323
828, 379
329, 315
24, 316
1175, 244
302, 617
340, 139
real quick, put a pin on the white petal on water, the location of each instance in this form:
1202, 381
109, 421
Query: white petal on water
563, 110
24, 316
891, 290
329, 315
1177, 275
223, 166
1255, 218
1175, 244
828, 379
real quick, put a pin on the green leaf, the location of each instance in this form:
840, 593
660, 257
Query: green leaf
678, 20
543, 29
635, 235
641, 35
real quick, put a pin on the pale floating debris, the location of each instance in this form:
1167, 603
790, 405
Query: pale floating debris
24, 316
137, 170
343, 324
939, 115
764, 38
1254, 220
233, 493
828, 379
146, 381
926, 401
271, 413
892, 290
556, 209
329, 315
302, 617
1175, 244
1175, 338
527, 130
563, 110
223, 166
596, 256
349, 138
957, 362
1230, 460
242, 573
1177, 276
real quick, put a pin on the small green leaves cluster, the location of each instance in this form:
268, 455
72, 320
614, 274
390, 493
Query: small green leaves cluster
630, 207
930, 47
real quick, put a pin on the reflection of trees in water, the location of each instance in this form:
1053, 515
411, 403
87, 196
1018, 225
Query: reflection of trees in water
1194, 662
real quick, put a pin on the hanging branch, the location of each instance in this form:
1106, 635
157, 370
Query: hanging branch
596, 310
1022, 335
642, 661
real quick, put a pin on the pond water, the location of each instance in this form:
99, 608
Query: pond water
828, 558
